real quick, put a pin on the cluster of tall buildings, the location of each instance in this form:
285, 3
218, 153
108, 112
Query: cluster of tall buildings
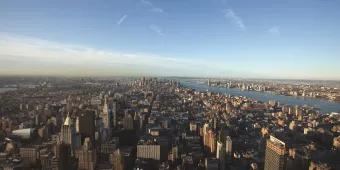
152, 123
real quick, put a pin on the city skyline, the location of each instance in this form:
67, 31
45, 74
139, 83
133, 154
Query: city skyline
216, 38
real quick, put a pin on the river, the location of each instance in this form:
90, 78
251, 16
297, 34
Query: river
325, 106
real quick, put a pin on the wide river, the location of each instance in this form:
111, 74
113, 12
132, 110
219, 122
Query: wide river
325, 106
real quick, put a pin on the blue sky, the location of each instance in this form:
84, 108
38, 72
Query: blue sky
221, 38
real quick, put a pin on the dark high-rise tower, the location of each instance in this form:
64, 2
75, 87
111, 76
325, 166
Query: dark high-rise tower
86, 125
128, 121
114, 114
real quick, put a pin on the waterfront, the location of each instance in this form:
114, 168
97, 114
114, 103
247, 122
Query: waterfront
325, 106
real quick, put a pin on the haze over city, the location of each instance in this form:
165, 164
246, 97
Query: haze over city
202, 38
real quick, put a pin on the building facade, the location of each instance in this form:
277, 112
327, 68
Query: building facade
275, 158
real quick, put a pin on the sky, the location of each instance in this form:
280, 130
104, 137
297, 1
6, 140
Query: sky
294, 39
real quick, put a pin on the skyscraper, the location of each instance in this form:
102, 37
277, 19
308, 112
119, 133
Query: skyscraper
105, 115
87, 156
68, 133
114, 114
228, 148
275, 158
219, 148
117, 160
220, 155
62, 159
85, 125
128, 121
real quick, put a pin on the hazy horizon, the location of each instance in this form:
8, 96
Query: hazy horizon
155, 76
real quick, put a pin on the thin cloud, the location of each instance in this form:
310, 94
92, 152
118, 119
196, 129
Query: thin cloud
275, 30
152, 7
27, 55
223, 2
235, 19
122, 19
146, 2
156, 29
158, 10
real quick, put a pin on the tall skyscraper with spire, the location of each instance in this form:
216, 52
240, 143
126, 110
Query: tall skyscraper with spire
68, 133
105, 115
